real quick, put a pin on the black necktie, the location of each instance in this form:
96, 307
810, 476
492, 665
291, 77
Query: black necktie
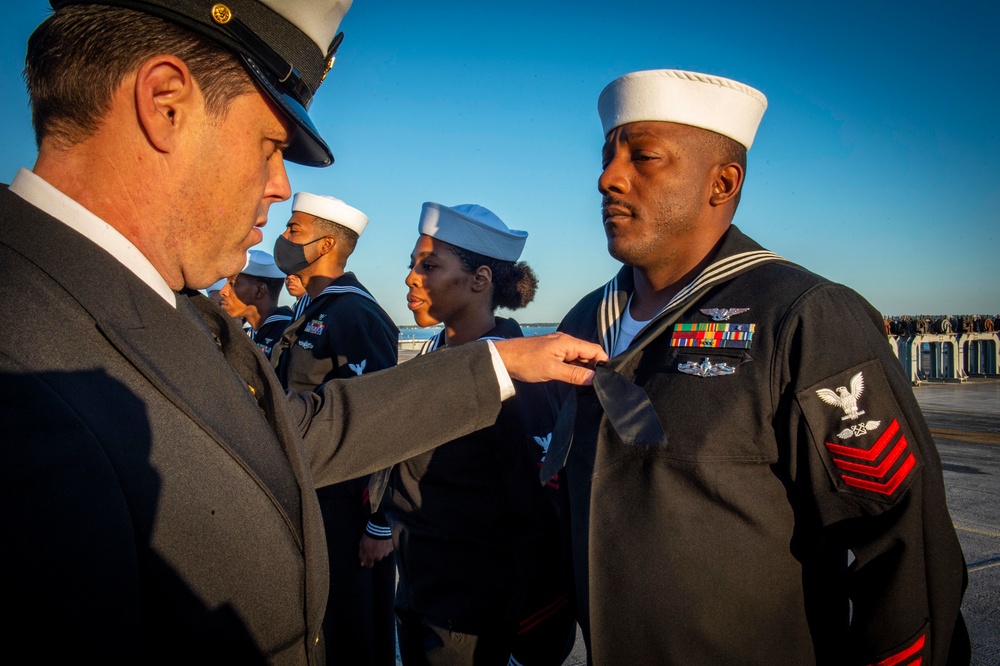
626, 405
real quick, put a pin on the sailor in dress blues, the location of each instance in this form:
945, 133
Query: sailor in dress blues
477, 538
732, 516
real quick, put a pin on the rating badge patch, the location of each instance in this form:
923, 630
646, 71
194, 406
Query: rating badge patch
873, 456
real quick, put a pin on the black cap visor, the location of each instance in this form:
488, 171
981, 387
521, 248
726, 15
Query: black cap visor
307, 147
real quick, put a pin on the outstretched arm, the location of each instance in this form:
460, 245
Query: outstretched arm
423, 403
555, 356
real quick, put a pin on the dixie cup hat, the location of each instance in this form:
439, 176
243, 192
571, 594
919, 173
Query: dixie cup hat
217, 286
261, 264
331, 209
472, 227
720, 105
287, 46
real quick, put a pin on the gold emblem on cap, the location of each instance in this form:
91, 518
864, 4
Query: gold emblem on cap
221, 14
329, 66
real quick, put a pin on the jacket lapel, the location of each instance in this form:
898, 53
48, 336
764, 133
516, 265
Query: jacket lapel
176, 355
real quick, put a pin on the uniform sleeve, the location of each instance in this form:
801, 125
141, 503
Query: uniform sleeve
406, 410
864, 461
378, 526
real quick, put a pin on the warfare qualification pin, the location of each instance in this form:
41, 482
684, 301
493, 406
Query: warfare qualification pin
706, 368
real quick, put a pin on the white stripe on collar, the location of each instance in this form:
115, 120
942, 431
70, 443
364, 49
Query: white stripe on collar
610, 309
301, 305
609, 315
435, 342
336, 289
276, 317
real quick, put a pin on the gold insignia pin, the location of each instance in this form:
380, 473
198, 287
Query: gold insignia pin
221, 14
329, 66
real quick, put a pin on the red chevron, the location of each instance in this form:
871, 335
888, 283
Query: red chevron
903, 655
532, 621
868, 470
553, 482
887, 488
872, 453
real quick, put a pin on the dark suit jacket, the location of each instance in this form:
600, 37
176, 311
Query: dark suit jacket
157, 500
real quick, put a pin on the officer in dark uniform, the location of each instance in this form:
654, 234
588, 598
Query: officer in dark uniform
253, 297
750, 479
157, 484
342, 333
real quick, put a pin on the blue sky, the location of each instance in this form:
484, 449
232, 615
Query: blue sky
875, 165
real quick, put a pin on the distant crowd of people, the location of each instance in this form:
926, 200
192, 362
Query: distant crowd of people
917, 324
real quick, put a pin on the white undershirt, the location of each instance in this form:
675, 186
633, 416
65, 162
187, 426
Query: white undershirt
35, 190
629, 328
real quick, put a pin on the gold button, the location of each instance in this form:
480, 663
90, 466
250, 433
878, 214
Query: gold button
252, 391
221, 14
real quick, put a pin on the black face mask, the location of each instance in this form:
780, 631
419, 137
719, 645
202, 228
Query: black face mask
290, 257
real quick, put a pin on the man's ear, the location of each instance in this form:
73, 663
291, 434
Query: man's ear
726, 184
327, 245
482, 278
166, 99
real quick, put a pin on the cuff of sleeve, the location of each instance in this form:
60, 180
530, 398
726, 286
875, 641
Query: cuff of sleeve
503, 377
378, 531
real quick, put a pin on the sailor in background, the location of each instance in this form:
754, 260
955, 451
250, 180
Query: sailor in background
293, 284
476, 536
777, 498
342, 333
252, 295
214, 291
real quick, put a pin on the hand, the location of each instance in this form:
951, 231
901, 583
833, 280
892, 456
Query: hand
372, 550
554, 356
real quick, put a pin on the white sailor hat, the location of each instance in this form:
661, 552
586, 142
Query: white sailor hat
719, 105
473, 228
287, 46
217, 286
332, 209
261, 264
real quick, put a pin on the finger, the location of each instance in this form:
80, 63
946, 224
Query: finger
579, 350
572, 374
568, 348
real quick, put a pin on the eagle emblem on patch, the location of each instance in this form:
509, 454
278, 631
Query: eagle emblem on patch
723, 314
358, 368
706, 368
870, 458
846, 399
543, 442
